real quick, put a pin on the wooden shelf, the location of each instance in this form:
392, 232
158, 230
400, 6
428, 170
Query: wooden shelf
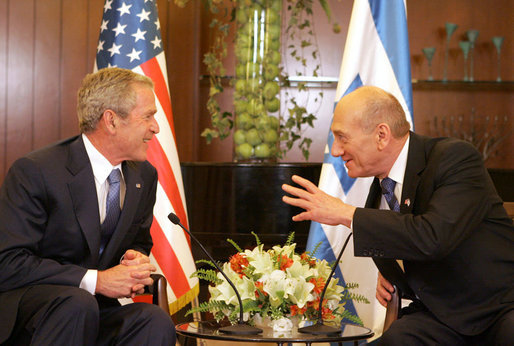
463, 86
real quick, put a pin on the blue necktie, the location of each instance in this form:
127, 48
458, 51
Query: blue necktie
112, 208
388, 192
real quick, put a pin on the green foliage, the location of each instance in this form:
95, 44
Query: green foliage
234, 244
299, 27
207, 275
315, 250
257, 239
290, 239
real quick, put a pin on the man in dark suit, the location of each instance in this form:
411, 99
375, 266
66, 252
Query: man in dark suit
75, 226
446, 222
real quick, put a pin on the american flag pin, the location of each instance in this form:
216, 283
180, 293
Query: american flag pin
138, 186
407, 202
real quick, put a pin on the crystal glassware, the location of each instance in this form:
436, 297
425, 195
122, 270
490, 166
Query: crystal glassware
498, 42
450, 29
429, 54
464, 45
472, 37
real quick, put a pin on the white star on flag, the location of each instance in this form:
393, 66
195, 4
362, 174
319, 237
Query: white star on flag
156, 42
114, 49
107, 5
120, 29
158, 24
100, 46
144, 15
104, 25
134, 55
124, 9
139, 35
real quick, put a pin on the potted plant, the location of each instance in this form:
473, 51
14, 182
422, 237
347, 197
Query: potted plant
262, 131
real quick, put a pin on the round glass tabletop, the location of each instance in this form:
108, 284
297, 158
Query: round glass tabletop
210, 330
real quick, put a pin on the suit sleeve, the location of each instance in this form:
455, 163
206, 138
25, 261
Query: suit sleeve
22, 225
453, 198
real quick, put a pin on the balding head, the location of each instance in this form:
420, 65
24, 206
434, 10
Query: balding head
376, 106
369, 130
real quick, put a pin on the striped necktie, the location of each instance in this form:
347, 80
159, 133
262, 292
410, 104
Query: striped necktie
388, 185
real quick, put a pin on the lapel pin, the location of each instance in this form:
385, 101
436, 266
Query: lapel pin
138, 186
407, 202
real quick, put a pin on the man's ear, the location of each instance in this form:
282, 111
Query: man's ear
383, 135
109, 120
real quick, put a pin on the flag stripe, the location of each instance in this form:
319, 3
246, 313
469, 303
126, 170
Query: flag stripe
166, 178
152, 69
393, 35
163, 253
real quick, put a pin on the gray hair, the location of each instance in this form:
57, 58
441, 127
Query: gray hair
109, 88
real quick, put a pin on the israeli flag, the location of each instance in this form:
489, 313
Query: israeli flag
376, 53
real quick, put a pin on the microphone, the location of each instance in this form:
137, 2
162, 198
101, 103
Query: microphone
319, 328
241, 328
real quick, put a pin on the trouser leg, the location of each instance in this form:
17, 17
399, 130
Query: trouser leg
56, 315
420, 328
136, 324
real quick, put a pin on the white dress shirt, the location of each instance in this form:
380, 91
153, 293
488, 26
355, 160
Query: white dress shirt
397, 173
101, 170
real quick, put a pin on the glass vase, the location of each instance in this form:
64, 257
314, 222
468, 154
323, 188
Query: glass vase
256, 84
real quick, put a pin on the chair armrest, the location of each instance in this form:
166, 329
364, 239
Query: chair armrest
159, 292
393, 309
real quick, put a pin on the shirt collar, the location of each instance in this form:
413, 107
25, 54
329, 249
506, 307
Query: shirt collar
397, 172
100, 165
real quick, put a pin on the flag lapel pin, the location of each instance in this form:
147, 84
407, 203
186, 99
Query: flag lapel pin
407, 202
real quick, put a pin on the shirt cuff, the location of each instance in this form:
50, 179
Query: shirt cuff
89, 281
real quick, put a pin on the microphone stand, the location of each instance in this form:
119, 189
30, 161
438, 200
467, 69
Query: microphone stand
319, 328
241, 328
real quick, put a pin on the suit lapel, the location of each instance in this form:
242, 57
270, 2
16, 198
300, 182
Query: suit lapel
83, 194
134, 186
415, 165
375, 192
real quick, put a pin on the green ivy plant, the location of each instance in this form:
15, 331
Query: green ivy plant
301, 46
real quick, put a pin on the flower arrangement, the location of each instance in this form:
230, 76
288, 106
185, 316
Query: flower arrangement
277, 285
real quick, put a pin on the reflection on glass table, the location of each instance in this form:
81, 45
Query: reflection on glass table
209, 330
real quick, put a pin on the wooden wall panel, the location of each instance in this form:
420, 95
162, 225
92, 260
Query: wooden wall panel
47, 53
74, 61
3, 86
183, 63
20, 86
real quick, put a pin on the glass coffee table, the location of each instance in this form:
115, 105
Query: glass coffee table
209, 330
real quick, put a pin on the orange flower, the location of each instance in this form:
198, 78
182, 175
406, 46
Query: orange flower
319, 284
238, 263
285, 262
326, 313
307, 259
295, 310
260, 289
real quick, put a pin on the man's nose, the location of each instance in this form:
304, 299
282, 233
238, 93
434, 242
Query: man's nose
155, 126
336, 150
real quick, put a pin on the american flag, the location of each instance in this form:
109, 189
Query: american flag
130, 38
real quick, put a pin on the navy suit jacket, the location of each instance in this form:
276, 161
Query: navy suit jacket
452, 232
50, 225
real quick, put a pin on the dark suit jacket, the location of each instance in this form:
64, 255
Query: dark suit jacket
452, 232
50, 226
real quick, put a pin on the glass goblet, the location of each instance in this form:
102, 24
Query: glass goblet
429, 54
